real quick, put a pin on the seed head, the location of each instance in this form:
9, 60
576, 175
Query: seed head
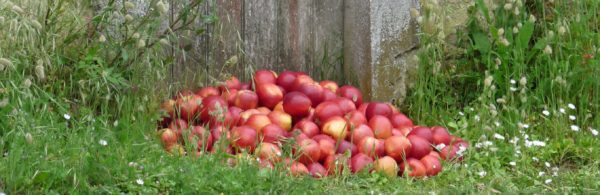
523, 81
29, 138
141, 43
26, 83
501, 32
515, 30
17, 9
135, 36
36, 24
562, 30
532, 18
504, 42
488, 81
129, 5
162, 7
128, 18
102, 39
548, 50
508, 6
40, 72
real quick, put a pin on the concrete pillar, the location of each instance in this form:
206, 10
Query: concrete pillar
379, 43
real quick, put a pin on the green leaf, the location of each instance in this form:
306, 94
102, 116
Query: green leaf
482, 43
525, 35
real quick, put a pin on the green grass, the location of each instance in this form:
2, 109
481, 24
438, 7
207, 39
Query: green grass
43, 152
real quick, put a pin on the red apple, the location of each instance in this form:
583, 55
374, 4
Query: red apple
263, 110
334, 164
419, 147
372, 147
382, 128
300, 80
317, 170
264, 76
231, 83
400, 120
345, 104
188, 106
203, 136
245, 115
352, 93
360, 132
246, 86
258, 121
168, 107
440, 135
336, 127
328, 95
320, 137
327, 148
207, 91
307, 127
269, 152
218, 131
286, 80
344, 146
243, 137
397, 147
378, 108
298, 169
327, 110
313, 91
308, 151
356, 118
246, 99
359, 162
230, 95
414, 169
168, 137
282, 119
272, 133
178, 126
432, 164
269, 94
329, 85
296, 104
387, 166
279, 107
423, 132
212, 105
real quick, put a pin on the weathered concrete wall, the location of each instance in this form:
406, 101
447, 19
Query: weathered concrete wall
379, 38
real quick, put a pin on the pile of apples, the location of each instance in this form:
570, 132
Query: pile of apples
315, 128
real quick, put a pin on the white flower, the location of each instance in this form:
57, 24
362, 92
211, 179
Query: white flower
512, 163
477, 118
532, 18
545, 112
513, 89
548, 50
498, 136
548, 181
2, 193
562, 30
541, 173
501, 101
526, 126
561, 110
594, 132
482, 144
574, 128
515, 30
461, 113
139, 181
504, 42
523, 81
571, 106
501, 32
440, 146
512, 81
572, 117
519, 24
535, 159
538, 143
67, 116
103, 142
547, 164
482, 174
